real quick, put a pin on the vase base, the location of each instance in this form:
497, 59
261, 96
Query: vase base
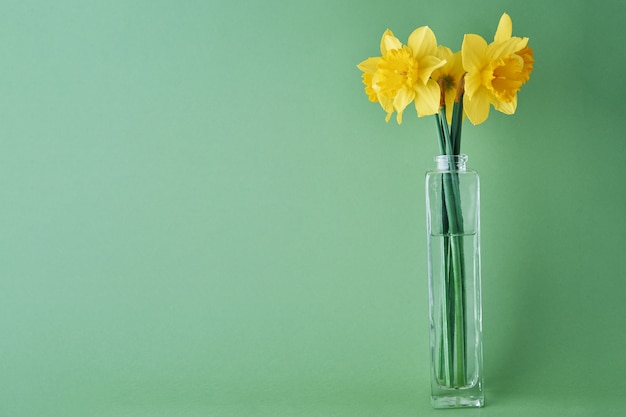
457, 401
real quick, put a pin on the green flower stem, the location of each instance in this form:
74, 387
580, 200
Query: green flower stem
455, 273
457, 116
441, 135
453, 363
457, 123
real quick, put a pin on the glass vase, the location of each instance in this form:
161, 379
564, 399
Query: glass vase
455, 311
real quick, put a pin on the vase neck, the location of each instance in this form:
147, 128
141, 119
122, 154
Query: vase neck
451, 162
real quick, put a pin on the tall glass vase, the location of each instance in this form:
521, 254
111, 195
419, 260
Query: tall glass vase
453, 231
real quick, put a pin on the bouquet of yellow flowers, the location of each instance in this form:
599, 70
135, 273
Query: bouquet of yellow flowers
444, 83
451, 86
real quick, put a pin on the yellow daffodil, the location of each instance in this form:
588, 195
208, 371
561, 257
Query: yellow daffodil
449, 76
402, 74
495, 71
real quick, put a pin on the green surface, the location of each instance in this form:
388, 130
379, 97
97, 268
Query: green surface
202, 215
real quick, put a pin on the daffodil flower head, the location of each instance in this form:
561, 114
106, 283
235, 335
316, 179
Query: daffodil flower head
449, 76
402, 74
495, 71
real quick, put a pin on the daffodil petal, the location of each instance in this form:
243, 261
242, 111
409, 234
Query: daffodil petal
498, 50
443, 52
428, 65
389, 42
369, 65
477, 107
457, 67
427, 98
505, 29
473, 81
506, 107
473, 52
401, 100
422, 42
387, 104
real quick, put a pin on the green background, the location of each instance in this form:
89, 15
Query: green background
201, 214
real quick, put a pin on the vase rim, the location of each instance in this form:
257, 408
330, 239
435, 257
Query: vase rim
460, 156
444, 162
